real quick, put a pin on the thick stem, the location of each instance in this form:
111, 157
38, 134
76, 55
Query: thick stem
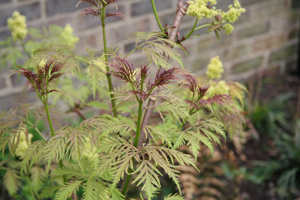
61, 165
108, 74
156, 16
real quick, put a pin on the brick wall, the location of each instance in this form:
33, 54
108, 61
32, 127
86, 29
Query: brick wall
265, 37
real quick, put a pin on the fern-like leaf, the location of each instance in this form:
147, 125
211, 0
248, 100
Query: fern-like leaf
173, 197
95, 74
34, 153
67, 190
95, 190
12, 181
148, 176
48, 191
38, 176
156, 47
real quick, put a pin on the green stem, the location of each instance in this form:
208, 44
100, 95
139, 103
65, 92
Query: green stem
138, 128
31, 191
156, 16
193, 29
34, 126
61, 165
133, 50
108, 75
205, 25
23, 47
136, 142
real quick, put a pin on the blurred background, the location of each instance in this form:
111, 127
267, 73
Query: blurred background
262, 53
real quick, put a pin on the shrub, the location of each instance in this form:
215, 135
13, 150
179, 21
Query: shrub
106, 154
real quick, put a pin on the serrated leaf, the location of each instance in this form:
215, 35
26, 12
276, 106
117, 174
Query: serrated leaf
115, 193
12, 181
173, 197
95, 190
49, 191
38, 176
99, 105
67, 190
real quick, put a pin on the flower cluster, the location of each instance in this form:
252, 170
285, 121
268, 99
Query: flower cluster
68, 37
220, 88
228, 28
22, 145
17, 25
234, 12
215, 68
200, 9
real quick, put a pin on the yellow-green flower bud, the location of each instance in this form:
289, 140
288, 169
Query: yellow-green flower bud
219, 88
215, 68
17, 26
22, 145
89, 152
228, 28
67, 36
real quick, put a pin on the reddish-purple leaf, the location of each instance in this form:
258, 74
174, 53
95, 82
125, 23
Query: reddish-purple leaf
123, 69
191, 82
166, 76
144, 72
115, 14
93, 2
89, 11
55, 76
220, 99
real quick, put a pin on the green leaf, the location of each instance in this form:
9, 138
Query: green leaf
66, 171
148, 176
173, 197
156, 47
38, 176
115, 193
95, 190
49, 191
95, 75
33, 154
67, 190
12, 181
217, 34
99, 105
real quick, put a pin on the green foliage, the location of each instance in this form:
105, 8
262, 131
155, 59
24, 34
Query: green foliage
154, 47
12, 181
67, 190
271, 116
286, 168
